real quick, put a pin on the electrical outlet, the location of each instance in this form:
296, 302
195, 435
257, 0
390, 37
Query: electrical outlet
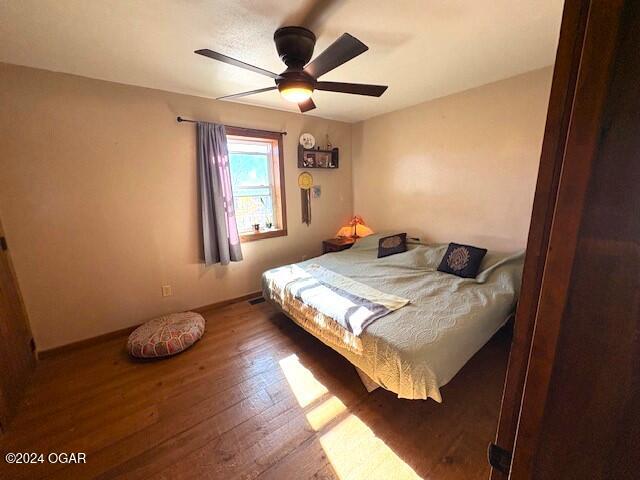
167, 291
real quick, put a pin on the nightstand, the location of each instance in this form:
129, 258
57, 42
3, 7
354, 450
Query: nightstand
337, 244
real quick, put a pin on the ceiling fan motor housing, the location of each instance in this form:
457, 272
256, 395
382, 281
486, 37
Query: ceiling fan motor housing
295, 79
295, 46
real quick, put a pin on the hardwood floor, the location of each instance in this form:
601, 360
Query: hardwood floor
257, 397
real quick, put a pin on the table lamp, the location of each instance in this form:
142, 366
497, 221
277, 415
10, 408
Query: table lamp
355, 229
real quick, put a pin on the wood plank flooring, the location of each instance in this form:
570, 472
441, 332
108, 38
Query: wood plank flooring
256, 398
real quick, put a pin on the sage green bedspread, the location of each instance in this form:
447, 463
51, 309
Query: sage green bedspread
417, 349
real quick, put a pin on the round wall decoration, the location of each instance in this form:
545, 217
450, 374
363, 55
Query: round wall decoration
305, 180
307, 140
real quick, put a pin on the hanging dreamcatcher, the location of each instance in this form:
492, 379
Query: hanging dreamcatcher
305, 182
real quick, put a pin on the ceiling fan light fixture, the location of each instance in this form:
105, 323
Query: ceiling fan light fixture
296, 93
297, 83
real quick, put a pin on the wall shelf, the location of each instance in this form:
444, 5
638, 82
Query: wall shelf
316, 158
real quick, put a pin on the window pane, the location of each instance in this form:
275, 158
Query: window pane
253, 206
248, 147
251, 182
249, 169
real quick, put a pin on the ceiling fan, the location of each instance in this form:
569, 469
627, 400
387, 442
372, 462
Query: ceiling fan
296, 84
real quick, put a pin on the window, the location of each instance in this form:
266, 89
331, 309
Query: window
257, 179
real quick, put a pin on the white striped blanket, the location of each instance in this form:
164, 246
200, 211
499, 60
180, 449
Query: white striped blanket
353, 305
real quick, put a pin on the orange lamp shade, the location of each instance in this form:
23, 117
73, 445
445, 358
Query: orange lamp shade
345, 232
355, 229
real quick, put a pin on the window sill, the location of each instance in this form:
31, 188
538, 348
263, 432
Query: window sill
251, 237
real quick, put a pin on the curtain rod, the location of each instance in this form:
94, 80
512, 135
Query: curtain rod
180, 120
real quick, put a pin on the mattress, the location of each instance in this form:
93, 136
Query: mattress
415, 350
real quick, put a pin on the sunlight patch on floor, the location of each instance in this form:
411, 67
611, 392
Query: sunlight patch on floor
357, 454
321, 415
353, 449
302, 382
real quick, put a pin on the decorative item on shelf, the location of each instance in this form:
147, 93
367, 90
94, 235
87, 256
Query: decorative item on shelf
305, 182
256, 227
307, 141
316, 158
355, 229
329, 146
269, 225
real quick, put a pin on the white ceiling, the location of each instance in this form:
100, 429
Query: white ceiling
422, 49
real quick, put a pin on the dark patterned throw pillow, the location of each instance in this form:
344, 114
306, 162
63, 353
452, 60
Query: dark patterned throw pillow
392, 244
462, 260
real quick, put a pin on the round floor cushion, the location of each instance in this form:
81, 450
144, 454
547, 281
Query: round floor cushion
165, 336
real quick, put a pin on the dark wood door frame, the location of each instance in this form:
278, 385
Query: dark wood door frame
576, 124
580, 150
559, 113
17, 350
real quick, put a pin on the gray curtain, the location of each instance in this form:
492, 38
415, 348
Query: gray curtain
220, 237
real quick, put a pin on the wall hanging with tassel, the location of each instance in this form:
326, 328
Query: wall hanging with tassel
305, 182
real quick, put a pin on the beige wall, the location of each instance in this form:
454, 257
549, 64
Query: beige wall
460, 168
99, 203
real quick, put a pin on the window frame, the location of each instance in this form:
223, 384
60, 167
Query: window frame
279, 199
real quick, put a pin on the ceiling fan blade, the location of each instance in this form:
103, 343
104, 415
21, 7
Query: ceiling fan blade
244, 94
341, 51
355, 88
312, 14
237, 63
307, 105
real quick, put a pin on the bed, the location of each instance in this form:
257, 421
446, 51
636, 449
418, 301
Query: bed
414, 350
